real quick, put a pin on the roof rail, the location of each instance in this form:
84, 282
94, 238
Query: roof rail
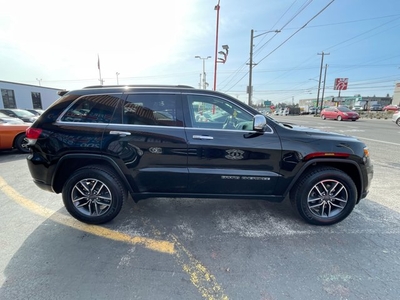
138, 85
62, 92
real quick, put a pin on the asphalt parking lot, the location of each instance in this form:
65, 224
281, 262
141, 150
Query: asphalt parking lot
204, 249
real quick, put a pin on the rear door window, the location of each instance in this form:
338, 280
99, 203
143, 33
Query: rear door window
153, 109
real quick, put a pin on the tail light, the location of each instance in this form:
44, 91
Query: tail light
32, 134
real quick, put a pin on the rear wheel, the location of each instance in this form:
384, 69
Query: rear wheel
21, 143
339, 118
94, 195
398, 121
323, 117
324, 196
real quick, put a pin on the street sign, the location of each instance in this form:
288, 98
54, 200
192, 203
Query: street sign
267, 103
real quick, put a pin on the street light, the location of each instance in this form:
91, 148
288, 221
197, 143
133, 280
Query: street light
117, 73
204, 69
39, 80
224, 54
251, 64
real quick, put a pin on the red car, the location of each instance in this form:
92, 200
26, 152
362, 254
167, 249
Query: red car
339, 113
391, 107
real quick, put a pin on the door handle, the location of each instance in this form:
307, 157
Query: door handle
121, 133
203, 137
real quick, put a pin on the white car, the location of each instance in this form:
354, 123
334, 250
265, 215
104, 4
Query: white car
396, 117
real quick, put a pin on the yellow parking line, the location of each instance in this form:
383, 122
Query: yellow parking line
156, 245
200, 277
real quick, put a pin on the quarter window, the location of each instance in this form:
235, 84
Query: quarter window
92, 109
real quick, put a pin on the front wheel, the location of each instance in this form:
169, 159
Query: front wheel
93, 195
339, 118
324, 196
323, 117
398, 122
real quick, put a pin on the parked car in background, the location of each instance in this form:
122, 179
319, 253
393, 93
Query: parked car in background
314, 110
375, 107
396, 117
22, 114
339, 113
7, 119
391, 107
13, 136
36, 112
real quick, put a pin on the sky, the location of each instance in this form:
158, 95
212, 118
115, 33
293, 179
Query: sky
59, 44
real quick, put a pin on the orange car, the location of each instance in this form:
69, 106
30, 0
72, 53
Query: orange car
13, 136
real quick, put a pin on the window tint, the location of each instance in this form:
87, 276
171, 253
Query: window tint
153, 109
92, 109
211, 112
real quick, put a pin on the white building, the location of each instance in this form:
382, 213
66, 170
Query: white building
19, 95
396, 94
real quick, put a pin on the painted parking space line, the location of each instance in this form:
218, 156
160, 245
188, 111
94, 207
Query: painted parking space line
199, 275
152, 244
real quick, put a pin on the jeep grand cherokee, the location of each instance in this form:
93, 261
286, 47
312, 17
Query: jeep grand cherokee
98, 144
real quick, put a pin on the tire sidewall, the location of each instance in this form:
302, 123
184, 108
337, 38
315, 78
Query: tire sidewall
109, 180
20, 142
301, 200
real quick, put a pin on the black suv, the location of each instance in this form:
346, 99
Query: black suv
99, 144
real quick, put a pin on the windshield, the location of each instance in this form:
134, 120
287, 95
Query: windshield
344, 109
23, 113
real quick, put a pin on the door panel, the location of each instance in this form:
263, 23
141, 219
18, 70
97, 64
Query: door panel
229, 159
151, 142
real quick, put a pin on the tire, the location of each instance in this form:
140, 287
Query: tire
81, 195
339, 118
21, 143
398, 121
323, 117
317, 207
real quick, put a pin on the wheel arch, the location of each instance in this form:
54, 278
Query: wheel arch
349, 167
71, 162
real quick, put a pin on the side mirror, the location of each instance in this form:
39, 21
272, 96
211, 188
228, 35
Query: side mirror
259, 123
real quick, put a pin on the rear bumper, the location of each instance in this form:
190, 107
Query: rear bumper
40, 173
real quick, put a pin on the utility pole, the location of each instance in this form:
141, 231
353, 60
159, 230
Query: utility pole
320, 75
251, 64
204, 70
250, 87
117, 73
323, 89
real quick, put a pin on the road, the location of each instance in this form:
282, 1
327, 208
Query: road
204, 249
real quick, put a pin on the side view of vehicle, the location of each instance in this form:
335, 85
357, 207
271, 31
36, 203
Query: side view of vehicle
390, 108
13, 136
99, 144
339, 113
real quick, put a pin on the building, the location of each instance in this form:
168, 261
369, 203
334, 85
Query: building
19, 95
396, 94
